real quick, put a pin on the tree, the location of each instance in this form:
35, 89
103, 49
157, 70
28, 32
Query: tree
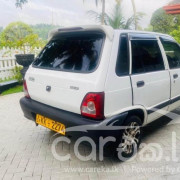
43, 30
135, 14
18, 34
116, 19
149, 28
164, 23
1, 29
19, 3
103, 10
103, 14
176, 34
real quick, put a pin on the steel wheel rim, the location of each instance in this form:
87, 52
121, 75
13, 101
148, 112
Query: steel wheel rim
130, 138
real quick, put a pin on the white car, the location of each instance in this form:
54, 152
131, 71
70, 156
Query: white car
92, 76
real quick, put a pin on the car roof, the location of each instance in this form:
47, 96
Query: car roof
142, 32
109, 31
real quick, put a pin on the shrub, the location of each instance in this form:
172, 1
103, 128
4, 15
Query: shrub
176, 34
17, 74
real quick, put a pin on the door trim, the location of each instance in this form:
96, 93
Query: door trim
163, 105
160, 106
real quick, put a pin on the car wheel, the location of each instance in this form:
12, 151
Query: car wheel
130, 138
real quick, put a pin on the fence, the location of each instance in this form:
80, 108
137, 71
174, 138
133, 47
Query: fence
8, 61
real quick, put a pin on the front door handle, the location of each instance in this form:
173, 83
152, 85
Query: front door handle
140, 84
175, 76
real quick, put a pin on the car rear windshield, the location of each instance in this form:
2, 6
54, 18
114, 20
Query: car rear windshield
75, 53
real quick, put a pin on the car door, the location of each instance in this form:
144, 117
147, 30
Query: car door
149, 75
172, 50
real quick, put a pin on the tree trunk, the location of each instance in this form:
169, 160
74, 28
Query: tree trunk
135, 14
103, 12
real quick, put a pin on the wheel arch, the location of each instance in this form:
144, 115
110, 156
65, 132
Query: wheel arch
137, 110
141, 113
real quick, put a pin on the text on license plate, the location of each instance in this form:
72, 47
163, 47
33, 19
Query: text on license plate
51, 124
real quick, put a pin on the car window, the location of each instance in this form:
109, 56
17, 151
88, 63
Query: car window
80, 52
122, 66
146, 56
172, 50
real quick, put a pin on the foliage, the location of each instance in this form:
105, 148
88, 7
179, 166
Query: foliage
103, 14
103, 10
19, 35
149, 28
43, 29
116, 18
19, 3
164, 23
1, 29
17, 74
16, 89
176, 34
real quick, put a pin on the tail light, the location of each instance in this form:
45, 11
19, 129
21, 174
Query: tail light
26, 93
93, 105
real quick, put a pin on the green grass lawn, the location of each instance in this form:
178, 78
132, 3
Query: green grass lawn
15, 89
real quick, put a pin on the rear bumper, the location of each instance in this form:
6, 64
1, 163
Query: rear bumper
75, 123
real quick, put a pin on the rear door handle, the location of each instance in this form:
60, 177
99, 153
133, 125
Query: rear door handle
175, 76
140, 84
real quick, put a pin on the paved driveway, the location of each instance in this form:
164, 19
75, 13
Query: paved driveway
25, 152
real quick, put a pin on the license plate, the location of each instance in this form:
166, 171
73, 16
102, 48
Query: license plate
50, 124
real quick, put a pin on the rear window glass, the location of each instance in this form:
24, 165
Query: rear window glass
80, 52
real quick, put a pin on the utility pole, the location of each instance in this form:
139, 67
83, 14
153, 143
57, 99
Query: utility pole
52, 17
135, 14
103, 12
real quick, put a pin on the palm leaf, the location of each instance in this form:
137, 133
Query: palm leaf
19, 3
129, 23
95, 15
115, 19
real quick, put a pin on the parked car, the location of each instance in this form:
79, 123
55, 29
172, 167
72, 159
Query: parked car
94, 74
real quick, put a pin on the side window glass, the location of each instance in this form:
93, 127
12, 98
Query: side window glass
122, 66
146, 56
172, 50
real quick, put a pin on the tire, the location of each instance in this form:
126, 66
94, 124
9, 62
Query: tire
129, 138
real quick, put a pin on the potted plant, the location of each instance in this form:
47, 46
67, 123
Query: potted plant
27, 45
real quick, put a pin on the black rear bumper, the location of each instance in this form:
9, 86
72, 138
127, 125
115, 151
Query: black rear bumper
75, 123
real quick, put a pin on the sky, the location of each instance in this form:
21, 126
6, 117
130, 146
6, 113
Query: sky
71, 12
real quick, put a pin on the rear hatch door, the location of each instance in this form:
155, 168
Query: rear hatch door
63, 72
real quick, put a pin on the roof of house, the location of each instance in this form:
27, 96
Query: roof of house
174, 2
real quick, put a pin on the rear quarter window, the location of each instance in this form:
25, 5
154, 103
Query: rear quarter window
172, 50
146, 56
75, 53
